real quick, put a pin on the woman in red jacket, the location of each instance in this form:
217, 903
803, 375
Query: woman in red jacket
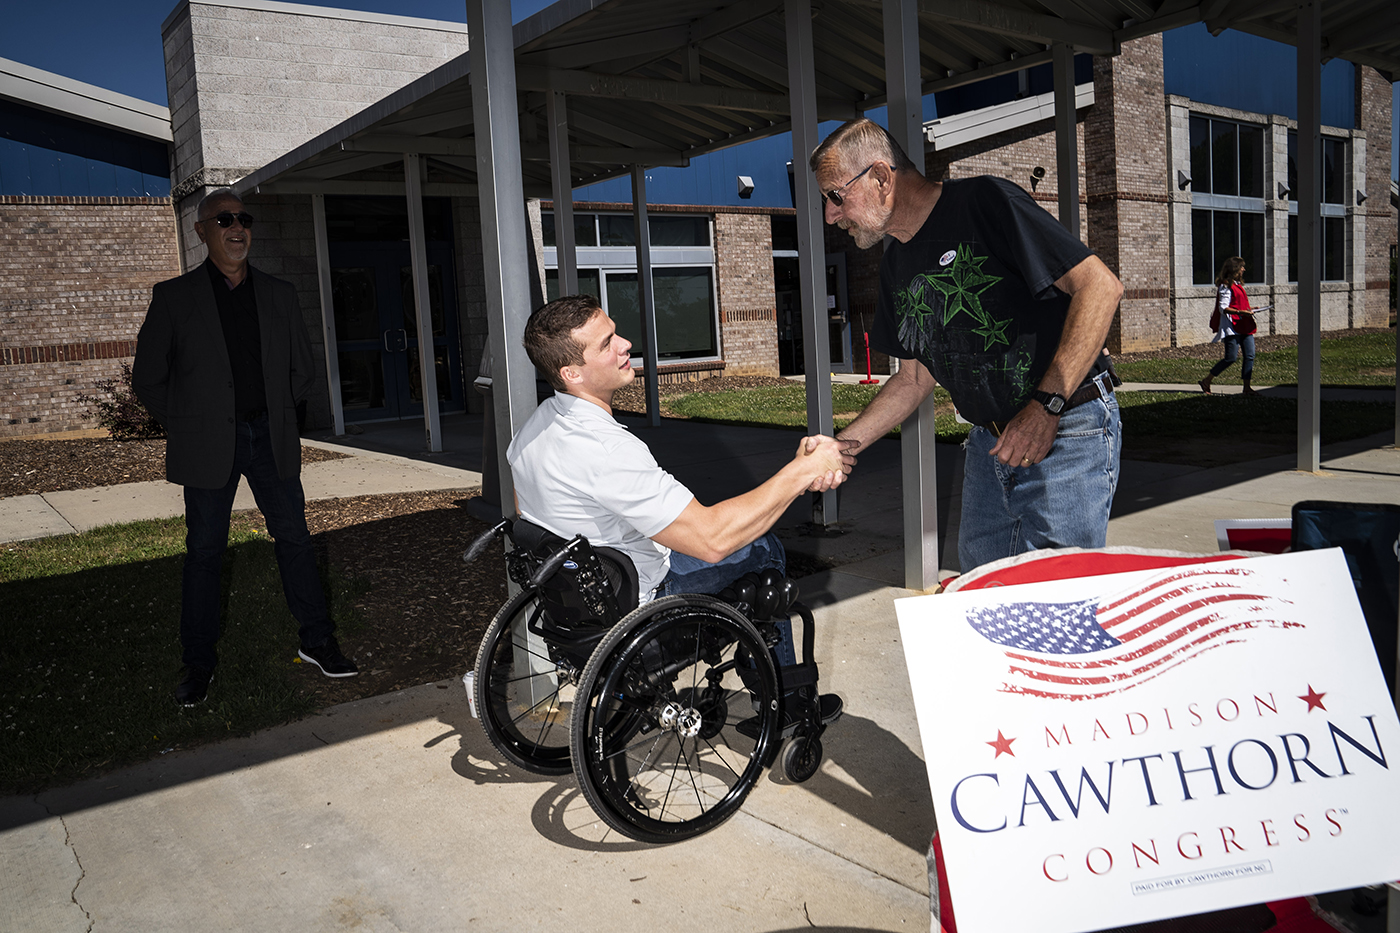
1233, 322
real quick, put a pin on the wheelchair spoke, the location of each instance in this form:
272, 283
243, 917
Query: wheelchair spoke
675, 670
525, 694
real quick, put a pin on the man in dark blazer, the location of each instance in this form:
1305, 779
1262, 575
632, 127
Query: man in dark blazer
221, 362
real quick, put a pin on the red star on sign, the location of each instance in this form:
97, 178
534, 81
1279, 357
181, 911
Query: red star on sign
1002, 745
1313, 699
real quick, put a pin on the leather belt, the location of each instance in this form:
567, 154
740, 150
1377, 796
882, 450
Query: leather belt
1090, 391
1085, 393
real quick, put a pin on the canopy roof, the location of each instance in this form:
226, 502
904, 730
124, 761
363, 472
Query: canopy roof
659, 83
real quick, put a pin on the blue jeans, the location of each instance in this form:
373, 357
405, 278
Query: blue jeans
1062, 501
1233, 344
693, 575
207, 512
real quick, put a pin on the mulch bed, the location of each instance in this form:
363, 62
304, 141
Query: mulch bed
35, 465
422, 611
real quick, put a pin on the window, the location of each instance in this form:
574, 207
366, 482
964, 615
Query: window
1333, 208
1227, 197
585, 229
683, 278
1227, 158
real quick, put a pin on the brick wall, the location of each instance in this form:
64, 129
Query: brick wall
1128, 208
75, 282
1373, 111
748, 319
1012, 155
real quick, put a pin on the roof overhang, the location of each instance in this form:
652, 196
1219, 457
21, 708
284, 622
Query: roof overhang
57, 94
661, 83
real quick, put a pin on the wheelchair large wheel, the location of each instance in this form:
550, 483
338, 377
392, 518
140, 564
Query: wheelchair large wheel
695, 683
523, 696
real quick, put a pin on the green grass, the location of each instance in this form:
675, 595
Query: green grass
786, 407
1356, 360
1178, 415
1148, 417
90, 628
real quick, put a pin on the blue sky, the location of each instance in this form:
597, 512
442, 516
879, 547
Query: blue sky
116, 45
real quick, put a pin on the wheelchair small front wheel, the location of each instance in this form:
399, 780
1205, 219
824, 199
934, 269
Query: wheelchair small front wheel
698, 687
523, 695
802, 758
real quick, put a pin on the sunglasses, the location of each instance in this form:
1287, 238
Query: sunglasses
226, 219
835, 196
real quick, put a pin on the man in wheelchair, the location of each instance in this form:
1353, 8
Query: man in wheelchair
577, 471
611, 662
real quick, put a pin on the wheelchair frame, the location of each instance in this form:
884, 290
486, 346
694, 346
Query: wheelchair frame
668, 712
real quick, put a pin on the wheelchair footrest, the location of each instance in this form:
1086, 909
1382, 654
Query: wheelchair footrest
829, 707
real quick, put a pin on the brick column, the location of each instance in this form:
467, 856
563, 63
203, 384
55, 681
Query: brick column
1125, 153
1373, 106
747, 316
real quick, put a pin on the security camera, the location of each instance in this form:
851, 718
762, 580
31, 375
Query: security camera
1037, 174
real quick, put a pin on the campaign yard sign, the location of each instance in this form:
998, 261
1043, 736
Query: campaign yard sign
1117, 749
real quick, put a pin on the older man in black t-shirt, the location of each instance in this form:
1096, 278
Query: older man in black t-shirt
987, 294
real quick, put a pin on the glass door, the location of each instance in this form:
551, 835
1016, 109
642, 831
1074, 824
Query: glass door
838, 313
377, 330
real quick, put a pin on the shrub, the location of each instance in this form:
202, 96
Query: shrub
119, 411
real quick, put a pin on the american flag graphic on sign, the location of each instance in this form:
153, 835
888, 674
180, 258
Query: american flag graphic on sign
1093, 648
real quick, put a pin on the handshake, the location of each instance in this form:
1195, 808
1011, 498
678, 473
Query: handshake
825, 461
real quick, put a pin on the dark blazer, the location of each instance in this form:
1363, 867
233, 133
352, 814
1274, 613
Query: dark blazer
182, 375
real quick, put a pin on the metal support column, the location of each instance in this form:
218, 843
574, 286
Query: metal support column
811, 247
1309, 234
566, 252
327, 289
917, 435
503, 233
423, 312
1066, 142
646, 294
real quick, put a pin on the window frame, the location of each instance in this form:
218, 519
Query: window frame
1205, 199
622, 260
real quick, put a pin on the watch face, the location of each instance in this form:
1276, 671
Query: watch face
1053, 403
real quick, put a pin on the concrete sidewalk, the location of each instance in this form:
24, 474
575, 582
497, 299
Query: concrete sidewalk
394, 813
360, 473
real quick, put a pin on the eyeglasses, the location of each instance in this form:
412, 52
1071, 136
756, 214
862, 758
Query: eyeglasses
226, 219
835, 196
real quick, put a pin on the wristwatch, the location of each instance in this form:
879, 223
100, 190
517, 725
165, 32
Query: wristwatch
1055, 404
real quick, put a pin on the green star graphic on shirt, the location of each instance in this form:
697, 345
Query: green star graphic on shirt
961, 285
913, 302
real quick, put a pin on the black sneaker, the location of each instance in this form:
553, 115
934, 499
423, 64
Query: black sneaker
329, 659
193, 685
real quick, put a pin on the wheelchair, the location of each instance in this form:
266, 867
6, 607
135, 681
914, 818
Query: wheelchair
667, 712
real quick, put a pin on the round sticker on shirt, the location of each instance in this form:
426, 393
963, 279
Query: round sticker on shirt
947, 257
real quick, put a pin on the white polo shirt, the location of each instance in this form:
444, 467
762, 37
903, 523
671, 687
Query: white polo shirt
578, 472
